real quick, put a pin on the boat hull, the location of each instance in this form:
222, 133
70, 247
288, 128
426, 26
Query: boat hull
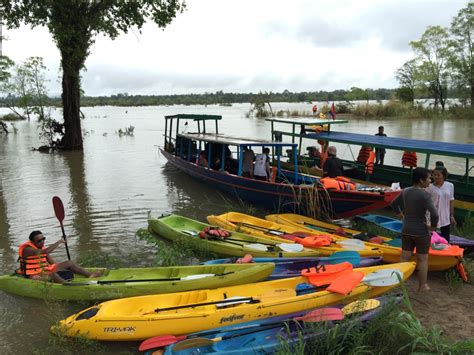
287, 197
79, 290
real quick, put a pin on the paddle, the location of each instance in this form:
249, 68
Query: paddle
233, 300
323, 314
267, 230
313, 316
360, 306
59, 212
289, 247
353, 244
383, 277
184, 278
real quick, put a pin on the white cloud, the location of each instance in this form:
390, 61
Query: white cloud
251, 46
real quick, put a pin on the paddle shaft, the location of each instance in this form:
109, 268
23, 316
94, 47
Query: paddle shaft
149, 280
241, 240
268, 230
242, 300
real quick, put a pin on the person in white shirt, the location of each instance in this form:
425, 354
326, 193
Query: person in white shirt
262, 166
442, 194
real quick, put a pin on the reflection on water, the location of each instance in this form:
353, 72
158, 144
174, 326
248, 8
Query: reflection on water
109, 189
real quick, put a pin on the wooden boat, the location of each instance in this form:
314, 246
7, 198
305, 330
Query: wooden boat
395, 225
383, 174
174, 227
274, 231
139, 318
286, 191
438, 260
127, 282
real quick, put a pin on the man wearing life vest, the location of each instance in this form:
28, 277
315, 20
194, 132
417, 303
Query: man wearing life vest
333, 165
36, 262
262, 166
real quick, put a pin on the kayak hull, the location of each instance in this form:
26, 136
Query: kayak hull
264, 228
79, 290
139, 318
174, 228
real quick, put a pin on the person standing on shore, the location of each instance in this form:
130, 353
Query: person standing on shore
411, 205
380, 152
442, 194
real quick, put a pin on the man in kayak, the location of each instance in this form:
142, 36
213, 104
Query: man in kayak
36, 262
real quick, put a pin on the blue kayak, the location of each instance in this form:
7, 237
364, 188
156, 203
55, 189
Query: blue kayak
266, 336
291, 267
395, 225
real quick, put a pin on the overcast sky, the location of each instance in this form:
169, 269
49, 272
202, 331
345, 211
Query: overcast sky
251, 46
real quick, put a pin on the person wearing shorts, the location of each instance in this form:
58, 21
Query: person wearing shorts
411, 205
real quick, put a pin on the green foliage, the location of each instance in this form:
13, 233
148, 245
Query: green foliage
406, 77
432, 56
127, 131
357, 94
74, 26
11, 117
462, 52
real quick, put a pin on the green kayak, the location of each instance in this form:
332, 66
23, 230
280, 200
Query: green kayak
174, 227
130, 282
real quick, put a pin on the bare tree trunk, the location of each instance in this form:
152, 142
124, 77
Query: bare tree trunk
72, 139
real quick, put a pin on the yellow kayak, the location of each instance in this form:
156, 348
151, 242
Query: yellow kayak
437, 261
138, 318
271, 230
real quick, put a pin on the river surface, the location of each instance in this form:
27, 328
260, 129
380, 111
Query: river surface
109, 189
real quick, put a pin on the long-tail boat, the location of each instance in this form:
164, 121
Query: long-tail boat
320, 131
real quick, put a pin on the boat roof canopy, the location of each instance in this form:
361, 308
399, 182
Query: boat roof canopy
224, 139
195, 117
405, 144
306, 121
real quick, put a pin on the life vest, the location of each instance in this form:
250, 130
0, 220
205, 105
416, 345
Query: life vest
337, 183
31, 265
273, 173
325, 274
314, 241
369, 164
364, 153
409, 159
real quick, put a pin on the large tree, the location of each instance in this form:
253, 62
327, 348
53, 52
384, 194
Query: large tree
406, 77
462, 53
432, 55
74, 25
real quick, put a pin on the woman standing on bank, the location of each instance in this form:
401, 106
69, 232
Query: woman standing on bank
442, 194
412, 205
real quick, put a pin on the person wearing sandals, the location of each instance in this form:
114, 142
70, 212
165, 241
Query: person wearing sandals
411, 205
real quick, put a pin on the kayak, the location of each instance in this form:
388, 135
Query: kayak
291, 267
265, 337
129, 282
438, 259
174, 227
276, 231
139, 318
395, 225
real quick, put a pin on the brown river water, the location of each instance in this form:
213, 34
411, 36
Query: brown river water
108, 190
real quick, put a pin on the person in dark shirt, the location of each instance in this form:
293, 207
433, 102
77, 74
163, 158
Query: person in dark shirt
333, 165
380, 152
411, 205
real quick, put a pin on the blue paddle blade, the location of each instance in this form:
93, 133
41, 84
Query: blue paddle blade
395, 242
350, 256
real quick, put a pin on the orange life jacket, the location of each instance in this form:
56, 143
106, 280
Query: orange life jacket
337, 183
314, 241
409, 159
31, 265
369, 164
364, 153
